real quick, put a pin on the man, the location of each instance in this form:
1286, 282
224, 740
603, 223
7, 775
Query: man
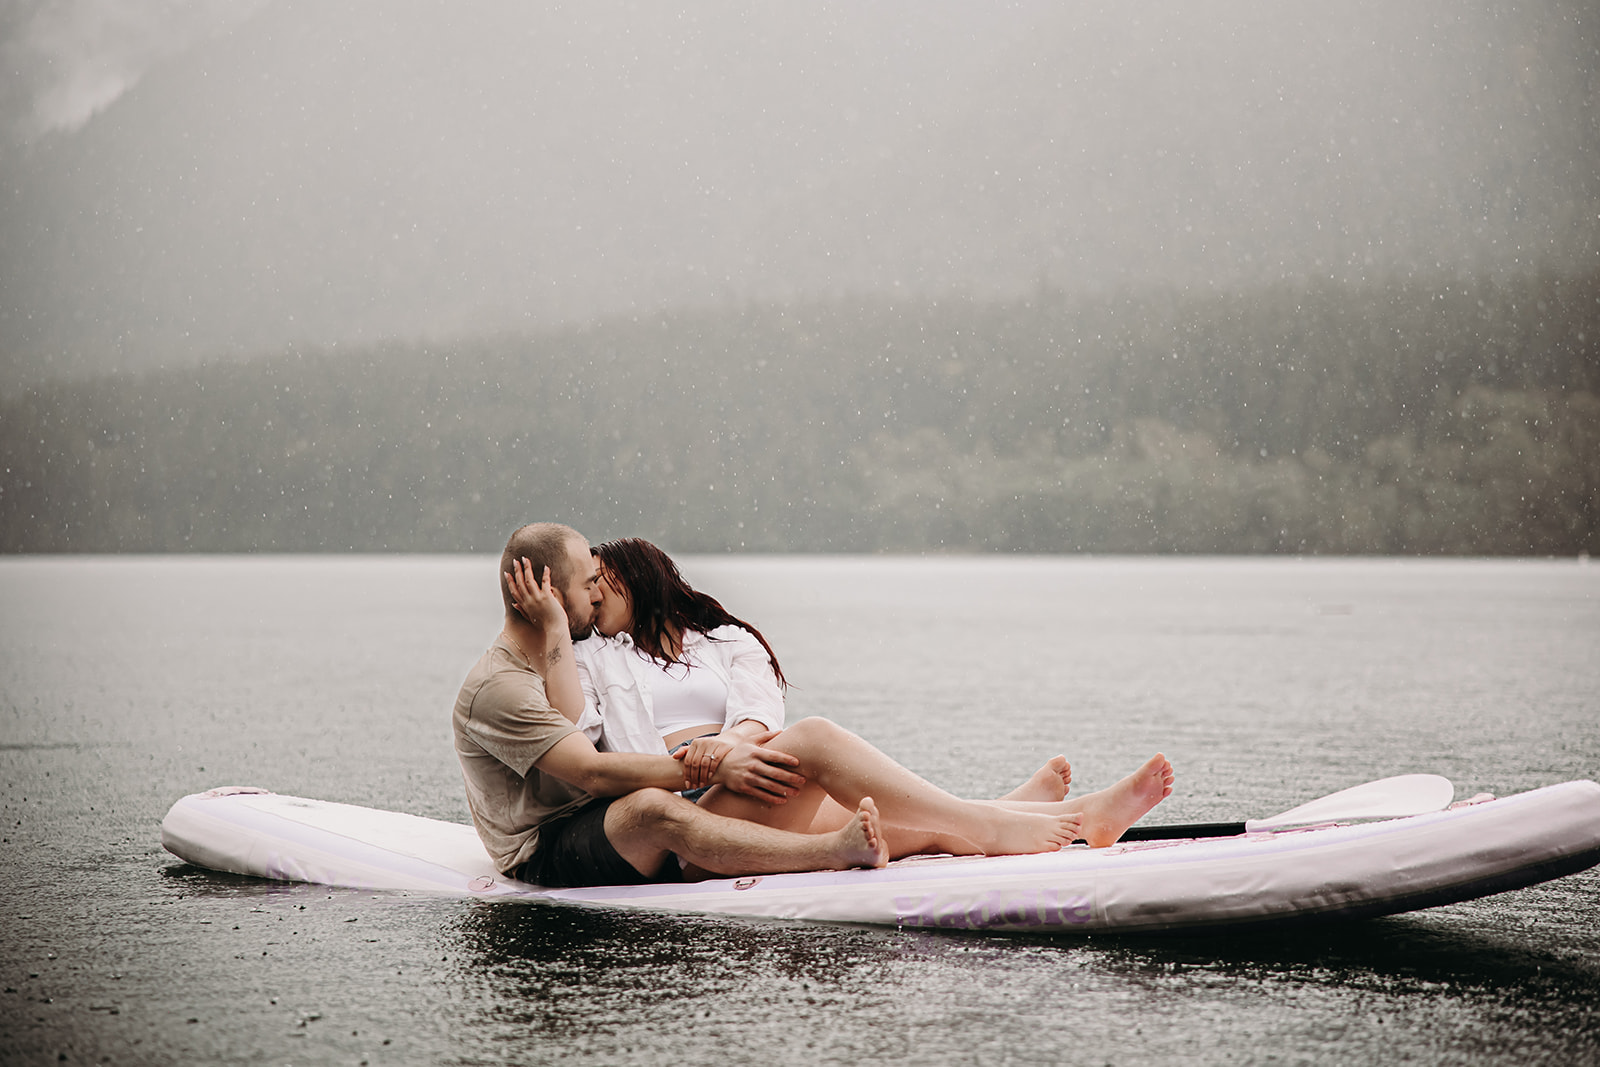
553, 811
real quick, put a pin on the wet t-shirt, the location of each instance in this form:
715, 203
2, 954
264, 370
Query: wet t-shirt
503, 725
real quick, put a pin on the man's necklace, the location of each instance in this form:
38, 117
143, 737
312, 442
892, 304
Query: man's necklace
518, 646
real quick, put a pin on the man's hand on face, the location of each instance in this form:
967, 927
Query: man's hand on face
763, 773
535, 599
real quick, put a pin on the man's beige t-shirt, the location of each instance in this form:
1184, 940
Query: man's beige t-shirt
503, 726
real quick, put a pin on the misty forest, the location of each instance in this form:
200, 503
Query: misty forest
1304, 419
280, 276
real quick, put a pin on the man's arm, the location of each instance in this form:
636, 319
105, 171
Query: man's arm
575, 761
556, 664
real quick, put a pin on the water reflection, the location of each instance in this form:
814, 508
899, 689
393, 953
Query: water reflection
620, 951
1398, 955
197, 883
621, 987
501, 981
619, 982
623, 950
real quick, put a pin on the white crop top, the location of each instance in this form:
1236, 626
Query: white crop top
685, 694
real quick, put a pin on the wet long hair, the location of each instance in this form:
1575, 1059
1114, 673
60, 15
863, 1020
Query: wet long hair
659, 595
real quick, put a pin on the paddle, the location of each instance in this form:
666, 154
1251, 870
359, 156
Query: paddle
1387, 798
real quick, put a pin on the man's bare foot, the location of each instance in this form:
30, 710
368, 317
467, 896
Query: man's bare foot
1015, 833
1107, 814
859, 841
1047, 784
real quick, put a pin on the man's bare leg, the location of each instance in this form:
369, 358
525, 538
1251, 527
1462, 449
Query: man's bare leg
1049, 783
838, 764
649, 827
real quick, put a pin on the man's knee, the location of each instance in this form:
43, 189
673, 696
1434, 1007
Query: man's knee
647, 826
647, 812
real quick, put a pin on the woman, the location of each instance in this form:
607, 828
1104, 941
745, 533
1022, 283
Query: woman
672, 670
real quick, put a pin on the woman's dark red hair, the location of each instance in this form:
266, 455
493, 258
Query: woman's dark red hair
659, 595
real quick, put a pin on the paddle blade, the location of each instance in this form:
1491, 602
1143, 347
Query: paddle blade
1387, 798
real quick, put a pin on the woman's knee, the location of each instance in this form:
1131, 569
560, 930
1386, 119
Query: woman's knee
812, 732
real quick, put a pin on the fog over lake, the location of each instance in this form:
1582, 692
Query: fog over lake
188, 180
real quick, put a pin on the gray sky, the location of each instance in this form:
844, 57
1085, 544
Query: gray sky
69, 60
185, 180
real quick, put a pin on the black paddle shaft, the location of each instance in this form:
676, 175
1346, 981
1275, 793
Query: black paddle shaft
1191, 829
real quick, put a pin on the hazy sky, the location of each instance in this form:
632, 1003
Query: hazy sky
183, 180
67, 61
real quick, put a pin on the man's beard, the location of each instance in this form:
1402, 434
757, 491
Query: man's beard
579, 635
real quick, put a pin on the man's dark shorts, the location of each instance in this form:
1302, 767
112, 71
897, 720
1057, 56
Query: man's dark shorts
574, 851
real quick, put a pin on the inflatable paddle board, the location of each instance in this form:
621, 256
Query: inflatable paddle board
1254, 878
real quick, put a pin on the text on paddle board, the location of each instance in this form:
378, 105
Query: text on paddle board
1024, 908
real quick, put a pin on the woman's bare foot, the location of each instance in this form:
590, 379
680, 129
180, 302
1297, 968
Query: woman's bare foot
1107, 814
1049, 783
1015, 833
859, 842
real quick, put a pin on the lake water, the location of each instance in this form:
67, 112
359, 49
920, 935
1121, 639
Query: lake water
126, 683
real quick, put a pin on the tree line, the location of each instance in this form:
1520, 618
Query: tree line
1458, 417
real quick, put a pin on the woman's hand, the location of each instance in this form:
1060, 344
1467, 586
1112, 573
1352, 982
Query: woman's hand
746, 767
536, 600
701, 757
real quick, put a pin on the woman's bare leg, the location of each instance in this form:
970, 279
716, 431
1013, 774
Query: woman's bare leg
1107, 813
1042, 792
1049, 783
838, 764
